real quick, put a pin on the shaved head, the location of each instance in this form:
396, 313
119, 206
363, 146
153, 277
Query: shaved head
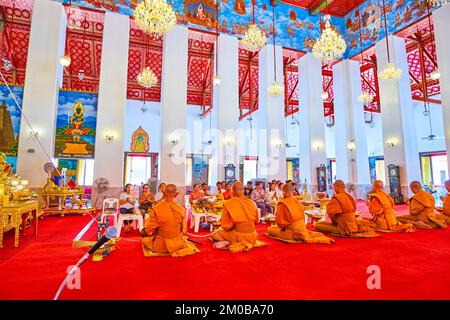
447, 185
339, 186
378, 185
288, 190
171, 191
238, 189
415, 186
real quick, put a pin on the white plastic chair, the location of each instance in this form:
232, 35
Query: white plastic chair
110, 209
135, 217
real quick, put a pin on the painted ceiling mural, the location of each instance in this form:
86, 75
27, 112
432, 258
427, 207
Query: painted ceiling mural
295, 27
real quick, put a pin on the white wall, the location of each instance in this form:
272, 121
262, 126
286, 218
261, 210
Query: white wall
150, 121
330, 142
374, 136
293, 137
422, 127
198, 131
248, 146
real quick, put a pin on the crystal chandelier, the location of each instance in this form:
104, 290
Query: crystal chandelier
276, 89
147, 78
254, 39
155, 16
390, 71
435, 3
330, 46
366, 98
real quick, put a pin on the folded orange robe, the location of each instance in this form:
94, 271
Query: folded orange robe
421, 212
445, 215
381, 207
238, 224
290, 221
342, 209
166, 228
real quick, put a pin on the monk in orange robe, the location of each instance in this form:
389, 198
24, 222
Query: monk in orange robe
445, 210
165, 229
381, 207
421, 209
238, 220
290, 219
342, 209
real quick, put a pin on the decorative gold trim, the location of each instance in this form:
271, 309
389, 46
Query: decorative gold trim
78, 91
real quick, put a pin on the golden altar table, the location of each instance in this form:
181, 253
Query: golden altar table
12, 217
77, 205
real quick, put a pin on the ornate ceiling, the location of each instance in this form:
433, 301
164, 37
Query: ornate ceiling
337, 8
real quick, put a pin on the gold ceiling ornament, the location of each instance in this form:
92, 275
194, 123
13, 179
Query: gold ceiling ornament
436, 3
276, 89
390, 72
330, 45
147, 78
254, 39
155, 17
366, 98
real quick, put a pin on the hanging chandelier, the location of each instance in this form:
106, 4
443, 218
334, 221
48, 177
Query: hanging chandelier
254, 39
330, 46
147, 78
155, 16
276, 88
435, 3
366, 98
390, 71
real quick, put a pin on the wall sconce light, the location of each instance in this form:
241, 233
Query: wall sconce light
390, 143
229, 141
278, 144
317, 147
65, 61
34, 134
174, 140
351, 145
216, 80
109, 137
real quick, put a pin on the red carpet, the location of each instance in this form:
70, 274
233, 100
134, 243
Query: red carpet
413, 266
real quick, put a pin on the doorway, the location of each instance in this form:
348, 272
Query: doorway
140, 168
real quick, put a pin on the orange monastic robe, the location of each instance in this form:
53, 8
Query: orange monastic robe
421, 212
445, 215
381, 207
290, 221
166, 228
342, 209
238, 224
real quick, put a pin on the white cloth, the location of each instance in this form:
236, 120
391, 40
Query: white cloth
125, 196
159, 196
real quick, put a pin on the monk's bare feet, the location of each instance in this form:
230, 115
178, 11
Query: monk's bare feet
221, 244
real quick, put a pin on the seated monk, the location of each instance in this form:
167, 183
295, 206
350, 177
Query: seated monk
290, 221
421, 209
381, 207
238, 220
445, 215
342, 209
166, 227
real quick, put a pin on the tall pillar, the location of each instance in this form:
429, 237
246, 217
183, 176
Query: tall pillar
311, 119
112, 97
399, 136
40, 99
352, 159
441, 17
174, 107
271, 120
226, 106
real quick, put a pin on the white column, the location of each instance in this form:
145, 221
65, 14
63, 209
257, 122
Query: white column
397, 116
441, 18
352, 159
40, 100
226, 106
271, 120
109, 156
174, 108
311, 118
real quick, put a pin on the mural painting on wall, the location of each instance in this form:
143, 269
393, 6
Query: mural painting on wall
140, 141
10, 116
296, 170
199, 170
75, 125
399, 14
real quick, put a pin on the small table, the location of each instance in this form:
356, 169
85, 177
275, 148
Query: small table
315, 215
61, 209
196, 216
11, 218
